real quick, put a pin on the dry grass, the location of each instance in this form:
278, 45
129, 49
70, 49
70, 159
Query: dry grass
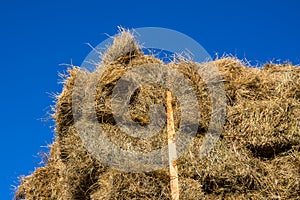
257, 156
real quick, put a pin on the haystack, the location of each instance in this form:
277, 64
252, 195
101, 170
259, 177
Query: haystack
256, 157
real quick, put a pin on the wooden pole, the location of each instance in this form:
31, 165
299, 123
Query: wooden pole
172, 148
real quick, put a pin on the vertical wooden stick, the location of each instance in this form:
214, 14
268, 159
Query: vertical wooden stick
172, 148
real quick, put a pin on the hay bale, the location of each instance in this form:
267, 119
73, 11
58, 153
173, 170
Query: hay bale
256, 157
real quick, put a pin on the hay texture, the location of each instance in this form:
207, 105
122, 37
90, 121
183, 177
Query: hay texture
256, 157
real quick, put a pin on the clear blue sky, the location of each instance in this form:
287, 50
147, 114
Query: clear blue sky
37, 36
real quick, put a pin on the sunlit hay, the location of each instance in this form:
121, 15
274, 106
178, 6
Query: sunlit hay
46, 182
124, 47
266, 127
257, 155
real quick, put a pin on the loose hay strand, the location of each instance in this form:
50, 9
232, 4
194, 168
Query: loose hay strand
174, 185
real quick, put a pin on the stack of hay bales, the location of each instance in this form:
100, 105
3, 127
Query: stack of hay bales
256, 157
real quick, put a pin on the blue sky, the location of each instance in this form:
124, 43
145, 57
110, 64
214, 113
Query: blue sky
37, 36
